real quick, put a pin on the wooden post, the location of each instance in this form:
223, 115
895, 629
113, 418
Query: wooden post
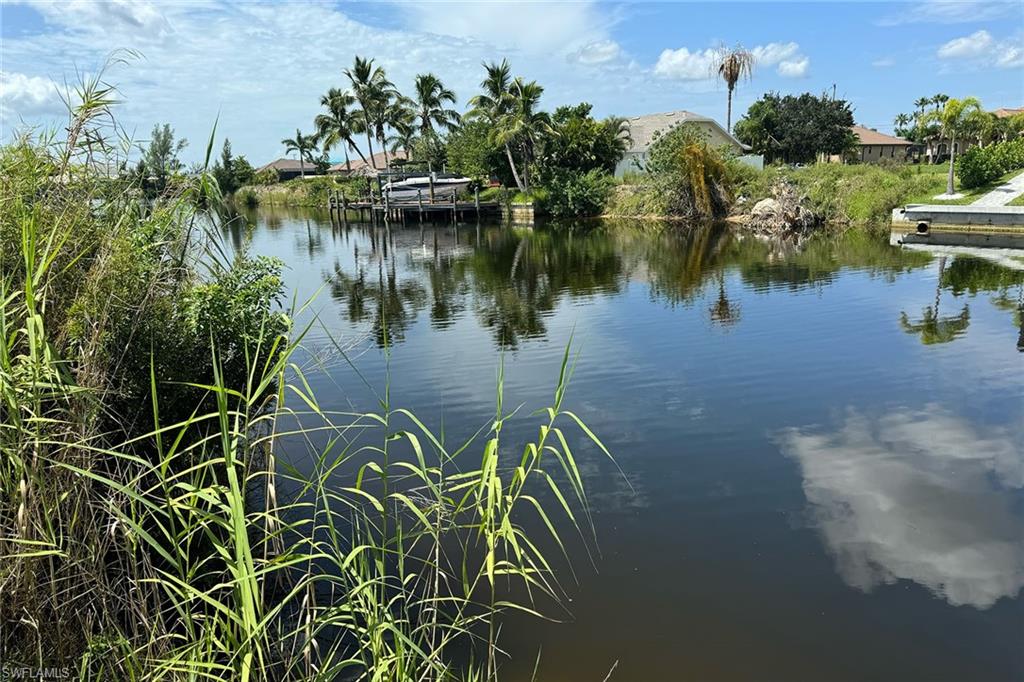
344, 208
419, 202
431, 179
476, 201
455, 210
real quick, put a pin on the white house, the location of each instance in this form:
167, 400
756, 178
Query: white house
642, 130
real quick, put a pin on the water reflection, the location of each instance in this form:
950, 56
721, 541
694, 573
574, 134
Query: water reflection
923, 496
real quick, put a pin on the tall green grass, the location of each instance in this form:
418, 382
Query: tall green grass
175, 502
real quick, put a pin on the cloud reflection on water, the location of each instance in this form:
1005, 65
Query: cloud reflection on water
918, 495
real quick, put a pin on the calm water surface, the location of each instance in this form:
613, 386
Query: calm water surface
823, 448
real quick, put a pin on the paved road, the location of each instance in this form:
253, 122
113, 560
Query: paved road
1004, 193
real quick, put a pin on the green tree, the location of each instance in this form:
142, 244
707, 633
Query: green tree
900, 123
471, 151
797, 128
340, 124
580, 143
732, 65
305, 145
954, 120
160, 157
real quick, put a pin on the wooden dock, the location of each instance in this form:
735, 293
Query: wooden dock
380, 208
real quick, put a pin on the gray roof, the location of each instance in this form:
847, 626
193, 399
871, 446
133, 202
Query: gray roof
643, 128
287, 165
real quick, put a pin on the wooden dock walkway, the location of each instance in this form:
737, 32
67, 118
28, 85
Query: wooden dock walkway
422, 209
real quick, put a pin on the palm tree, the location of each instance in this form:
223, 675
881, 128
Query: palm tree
932, 327
494, 103
339, 124
733, 64
372, 90
922, 103
901, 122
305, 145
431, 97
522, 124
953, 121
939, 99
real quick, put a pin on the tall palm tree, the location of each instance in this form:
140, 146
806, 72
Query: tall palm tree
305, 145
953, 120
493, 103
733, 65
372, 90
522, 124
939, 100
922, 103
430, 99
340, 124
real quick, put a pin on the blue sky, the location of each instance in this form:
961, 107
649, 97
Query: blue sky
262, 66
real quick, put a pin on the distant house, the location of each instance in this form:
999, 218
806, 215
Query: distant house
873, 146
287, 169
370, 167
1007, 113
644, 129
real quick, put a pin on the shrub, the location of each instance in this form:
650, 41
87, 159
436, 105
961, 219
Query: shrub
267, 176
575, 194
980, 165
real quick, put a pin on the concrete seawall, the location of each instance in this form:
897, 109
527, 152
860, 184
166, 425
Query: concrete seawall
937, 225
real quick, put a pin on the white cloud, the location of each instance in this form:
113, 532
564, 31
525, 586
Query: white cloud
883, 63
951, 12
917, 495
597, 52
26, 96
1010, 56
685, 65
682, 64
775, 53
969, 46
794, 69
980, 49
136, 15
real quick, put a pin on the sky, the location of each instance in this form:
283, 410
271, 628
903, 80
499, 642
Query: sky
258, 69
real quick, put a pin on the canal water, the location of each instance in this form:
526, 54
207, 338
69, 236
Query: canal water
822, 450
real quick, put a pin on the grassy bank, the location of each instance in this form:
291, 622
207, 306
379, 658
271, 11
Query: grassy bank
862, 194
311, 192
152, 405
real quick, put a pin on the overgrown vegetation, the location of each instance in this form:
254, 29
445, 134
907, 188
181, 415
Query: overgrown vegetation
684, 177
152, 407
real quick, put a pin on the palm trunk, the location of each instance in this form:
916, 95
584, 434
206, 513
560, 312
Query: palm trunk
369, 143
728, 112
512, 164
352, 145
302, 167
348, 164
952, 157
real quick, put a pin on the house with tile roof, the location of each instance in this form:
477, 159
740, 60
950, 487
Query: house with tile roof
873, 146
